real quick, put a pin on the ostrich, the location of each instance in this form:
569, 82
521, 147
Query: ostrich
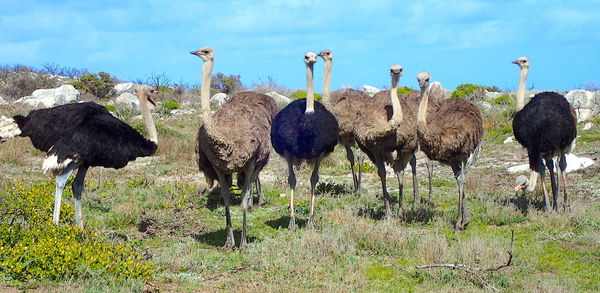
304, 131
450, 135
344, 107
546, 127
79, 136
235, 139
380, 132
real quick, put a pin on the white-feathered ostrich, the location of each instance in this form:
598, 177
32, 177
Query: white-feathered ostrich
304, 131
451, 135
79, 136
235, 139
345, 107
547, 128
387, 125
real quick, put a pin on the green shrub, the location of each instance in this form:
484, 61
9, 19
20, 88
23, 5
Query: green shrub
504, 100
301, 94
110, 108
166, 107
101, 85
405, 90
465, 90
32, 248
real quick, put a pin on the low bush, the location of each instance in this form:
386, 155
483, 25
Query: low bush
32, 248
301, 94
468, 91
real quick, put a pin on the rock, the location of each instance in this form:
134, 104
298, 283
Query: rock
588, 126
370, 90
279, 99
126, 87
2, 101
129, 101
509, 139
493, 95
485, 106
586, 103
218, 100
181, 112
46, 98
574, 163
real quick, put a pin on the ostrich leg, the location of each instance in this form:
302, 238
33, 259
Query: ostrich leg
223, 181
350, 157
554, 184
381, 172
400, 177
429, 164
261, 194
314, 179
61, 182
413, 166
562, 167
246, 192
292, 183
463, 214
77, 190
361, 159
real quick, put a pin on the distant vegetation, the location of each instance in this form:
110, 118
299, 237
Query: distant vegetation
99, 86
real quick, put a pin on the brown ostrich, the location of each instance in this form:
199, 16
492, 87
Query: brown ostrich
451, 135
345, 107
235, 139
387, 125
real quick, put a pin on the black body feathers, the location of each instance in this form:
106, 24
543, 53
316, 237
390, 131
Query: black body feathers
305, 136
85, 132
545, 125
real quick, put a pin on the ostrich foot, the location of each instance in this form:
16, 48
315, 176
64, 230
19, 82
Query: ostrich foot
310, 223
228, 246
461, 225
292, 225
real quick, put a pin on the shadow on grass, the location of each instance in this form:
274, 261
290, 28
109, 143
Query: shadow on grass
418, 214
284, 221
217, 238
524, 203
214, 199
372, 212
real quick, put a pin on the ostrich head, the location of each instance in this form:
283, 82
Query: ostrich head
396, 70
326, 54
206, 53
523, 62
522, 182
310, 57
147, 92
423, 78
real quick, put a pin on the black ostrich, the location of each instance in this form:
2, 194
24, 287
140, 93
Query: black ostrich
79, 136
304, 131
546, 127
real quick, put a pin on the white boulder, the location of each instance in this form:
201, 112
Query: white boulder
586, 103
126, 87
46, 98
129, 101
588, 126
370, 90
218, 100
574, 163
177, 112
279, 99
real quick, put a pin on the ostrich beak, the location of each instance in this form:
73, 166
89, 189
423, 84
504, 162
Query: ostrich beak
151, 98
195, 53
516, 62
519, 187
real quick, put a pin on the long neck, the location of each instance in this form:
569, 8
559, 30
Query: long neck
207, 68
310, 94
327, 82
521, 90
422, 116
148, 121
396, 108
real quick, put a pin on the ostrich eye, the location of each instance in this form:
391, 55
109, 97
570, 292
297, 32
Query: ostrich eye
401, 69
205, 51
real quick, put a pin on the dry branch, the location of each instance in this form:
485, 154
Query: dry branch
473, 270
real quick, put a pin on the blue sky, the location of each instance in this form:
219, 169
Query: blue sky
456, 41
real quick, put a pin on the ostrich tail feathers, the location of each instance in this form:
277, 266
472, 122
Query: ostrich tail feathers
8, 128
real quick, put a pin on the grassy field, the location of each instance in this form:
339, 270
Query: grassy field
162, 207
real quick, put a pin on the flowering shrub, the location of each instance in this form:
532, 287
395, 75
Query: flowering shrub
31, 247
